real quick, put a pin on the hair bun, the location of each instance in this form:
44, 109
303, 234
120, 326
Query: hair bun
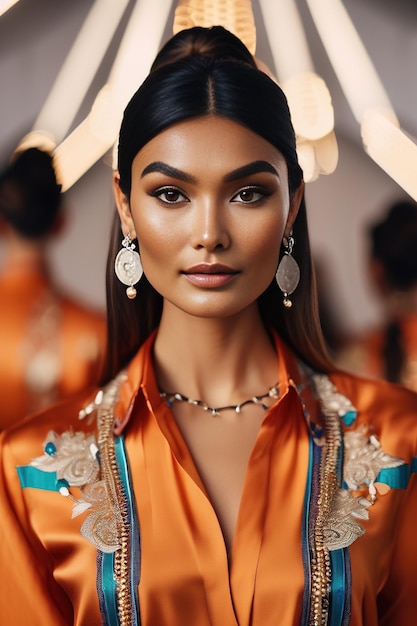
215, 42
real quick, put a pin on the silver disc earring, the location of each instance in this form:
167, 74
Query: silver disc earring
128, 267
288, 272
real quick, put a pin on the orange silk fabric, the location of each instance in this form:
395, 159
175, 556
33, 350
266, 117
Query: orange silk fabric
45, 338
48, 570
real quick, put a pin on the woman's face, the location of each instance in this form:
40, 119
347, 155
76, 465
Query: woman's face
209, 205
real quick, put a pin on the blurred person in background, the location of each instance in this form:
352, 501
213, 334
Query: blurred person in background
389, 351
51, 345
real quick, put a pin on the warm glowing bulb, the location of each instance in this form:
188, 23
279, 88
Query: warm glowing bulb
352, 64
80, 67
287, 38
391, 149
235, 15
310, 104
5, 5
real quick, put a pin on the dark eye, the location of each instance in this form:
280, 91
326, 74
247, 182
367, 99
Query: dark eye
249, 195
169, 195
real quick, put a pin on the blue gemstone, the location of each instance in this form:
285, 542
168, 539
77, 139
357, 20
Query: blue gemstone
62, 483
349, 417
50, 448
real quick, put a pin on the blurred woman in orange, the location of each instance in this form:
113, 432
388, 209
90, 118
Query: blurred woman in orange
389, 350
51, 345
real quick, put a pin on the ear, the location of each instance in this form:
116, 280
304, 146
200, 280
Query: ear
123, 208
295, 202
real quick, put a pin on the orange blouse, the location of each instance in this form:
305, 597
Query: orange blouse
51, 346
170, 536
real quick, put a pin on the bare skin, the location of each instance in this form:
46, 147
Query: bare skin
191, 203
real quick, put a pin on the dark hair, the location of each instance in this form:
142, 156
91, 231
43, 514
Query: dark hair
210, 43
233, 88
394, 244
29, 194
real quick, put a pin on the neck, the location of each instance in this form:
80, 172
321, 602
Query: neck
219, 361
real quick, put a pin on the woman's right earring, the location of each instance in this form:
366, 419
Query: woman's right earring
288, 272
128, 267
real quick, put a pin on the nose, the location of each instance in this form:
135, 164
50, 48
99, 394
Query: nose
210, 229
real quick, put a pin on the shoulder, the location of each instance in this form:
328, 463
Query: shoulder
386, 409
25, 441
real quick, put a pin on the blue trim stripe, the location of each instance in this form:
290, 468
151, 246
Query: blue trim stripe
305, 537
108, 589
32, 477
338, 598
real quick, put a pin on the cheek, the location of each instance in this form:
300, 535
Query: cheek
154, 234
265, 243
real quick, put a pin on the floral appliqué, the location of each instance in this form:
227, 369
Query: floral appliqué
75, 458
363, 460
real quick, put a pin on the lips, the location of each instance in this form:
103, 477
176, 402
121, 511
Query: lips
210, 274
210, 268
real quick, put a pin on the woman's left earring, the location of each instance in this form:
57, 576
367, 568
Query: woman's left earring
288, 272
128, 267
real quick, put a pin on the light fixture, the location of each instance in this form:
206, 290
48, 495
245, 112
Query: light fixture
5, 5
80, 67
235, 15
98, 132
308, 97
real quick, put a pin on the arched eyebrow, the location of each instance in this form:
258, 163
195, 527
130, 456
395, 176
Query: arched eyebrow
164, 168
256, 167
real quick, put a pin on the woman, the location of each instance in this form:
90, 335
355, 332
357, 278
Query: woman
220, 476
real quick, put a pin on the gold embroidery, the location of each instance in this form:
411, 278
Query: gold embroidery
364, 459
72, 456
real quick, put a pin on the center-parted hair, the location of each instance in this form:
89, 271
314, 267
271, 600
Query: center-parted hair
198, 86
217, 76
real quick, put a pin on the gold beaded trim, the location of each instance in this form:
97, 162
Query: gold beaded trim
110, 475
328, 488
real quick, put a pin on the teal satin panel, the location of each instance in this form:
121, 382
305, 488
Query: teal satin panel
37, 479
397, 477
108, 589
339, 565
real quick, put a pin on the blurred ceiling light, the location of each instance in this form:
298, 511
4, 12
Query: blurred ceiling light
235, 15
286, 38
98, 132
80, 67
351, 62
382, 137
36, 139
391, 149
138, 48
308, 97
5, 5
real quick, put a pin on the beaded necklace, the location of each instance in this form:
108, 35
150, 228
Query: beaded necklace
170, 398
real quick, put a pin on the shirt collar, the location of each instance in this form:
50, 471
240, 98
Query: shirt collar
140, 380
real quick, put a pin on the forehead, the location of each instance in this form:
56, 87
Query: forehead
207, 143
